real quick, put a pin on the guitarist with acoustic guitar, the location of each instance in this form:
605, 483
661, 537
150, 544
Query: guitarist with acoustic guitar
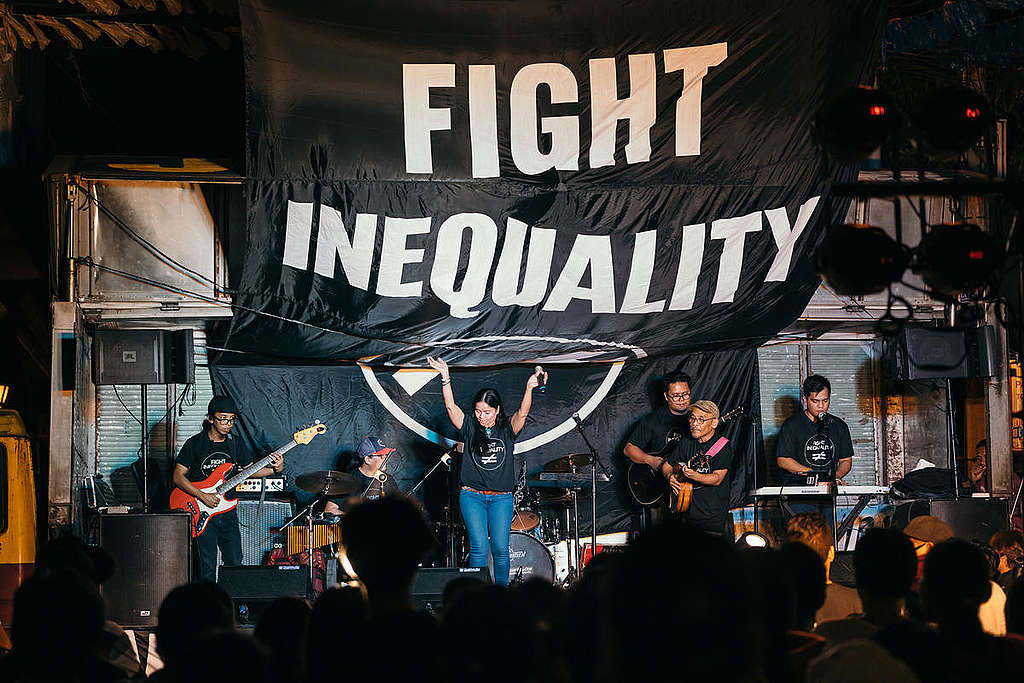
658, 433
699, 474
197, 460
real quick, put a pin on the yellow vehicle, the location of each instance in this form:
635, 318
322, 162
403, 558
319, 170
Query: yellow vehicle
17, 510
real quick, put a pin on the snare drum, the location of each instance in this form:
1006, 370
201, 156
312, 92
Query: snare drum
529, 559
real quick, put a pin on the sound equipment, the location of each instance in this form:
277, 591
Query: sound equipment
923, 353
252, 589
258, 526
152, 555
984, 351
429, 583
971, 518
143, 357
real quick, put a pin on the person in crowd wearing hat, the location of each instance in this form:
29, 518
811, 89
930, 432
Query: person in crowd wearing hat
703, 462
925, 532
198, 458
369, 469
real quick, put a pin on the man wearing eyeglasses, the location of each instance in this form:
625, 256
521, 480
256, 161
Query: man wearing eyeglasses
198, 458
705, 461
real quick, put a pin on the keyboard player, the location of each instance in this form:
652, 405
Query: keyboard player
813, 446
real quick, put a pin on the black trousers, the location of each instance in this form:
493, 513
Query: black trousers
221, 532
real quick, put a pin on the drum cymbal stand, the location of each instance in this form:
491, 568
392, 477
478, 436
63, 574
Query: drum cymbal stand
308, 512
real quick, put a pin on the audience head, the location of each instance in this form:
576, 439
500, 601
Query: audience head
337, 617
283, 629
70, 553
925, 531
991, 556
227, 655
58, 622
187, 612
1015, 609
811, 529
1010, 547
807, 572
955, 581
385, 540
884, 563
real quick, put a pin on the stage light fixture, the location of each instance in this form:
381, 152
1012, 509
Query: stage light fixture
855, 123
752, 539
954, 118
956, 257
856, 259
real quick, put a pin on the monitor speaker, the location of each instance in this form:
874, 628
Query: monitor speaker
971, 518
152, 556
143, 357
428, 585
925, 353
252, 589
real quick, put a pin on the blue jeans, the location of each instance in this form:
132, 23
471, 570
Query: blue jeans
488, 516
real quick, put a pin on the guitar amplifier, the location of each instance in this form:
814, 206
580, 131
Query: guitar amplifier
258, 526
429, 583
250, 489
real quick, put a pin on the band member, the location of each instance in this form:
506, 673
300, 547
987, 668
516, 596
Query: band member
813, 444
651, 432
488, 470
198, 458
376, 482
705, 460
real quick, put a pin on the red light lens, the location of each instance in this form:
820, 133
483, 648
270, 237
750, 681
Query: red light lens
972, 112
977, 255
877, 110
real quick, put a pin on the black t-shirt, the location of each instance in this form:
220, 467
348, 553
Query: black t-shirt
651, 433
709, 505
817, 447
373, 487
488, 460
202, 456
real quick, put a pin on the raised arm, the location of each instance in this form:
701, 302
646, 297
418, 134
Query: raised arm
455, 413
518, 418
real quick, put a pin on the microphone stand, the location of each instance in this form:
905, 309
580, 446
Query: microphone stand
833, 485
308, 511
426, 476
595, 463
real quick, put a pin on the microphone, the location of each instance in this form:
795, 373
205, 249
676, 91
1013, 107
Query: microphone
446, 459
576, 417
541, 378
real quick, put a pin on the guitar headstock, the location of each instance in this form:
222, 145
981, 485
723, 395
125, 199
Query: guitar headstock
732, 414
304, 436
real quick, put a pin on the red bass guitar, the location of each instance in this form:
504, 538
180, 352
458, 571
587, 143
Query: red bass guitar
215, 483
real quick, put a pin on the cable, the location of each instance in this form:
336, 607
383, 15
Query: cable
127, 409
146, 244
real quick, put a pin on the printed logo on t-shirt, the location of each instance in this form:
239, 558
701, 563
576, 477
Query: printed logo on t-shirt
819, 451
490, 455
213, 461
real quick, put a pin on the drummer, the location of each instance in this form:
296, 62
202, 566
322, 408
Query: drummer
373, 481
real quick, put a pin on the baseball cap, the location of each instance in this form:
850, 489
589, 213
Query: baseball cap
221, 404
929, 528
706, 406
372, 445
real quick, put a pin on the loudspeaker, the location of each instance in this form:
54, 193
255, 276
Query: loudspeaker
971, 518
429, 583
143, 357
252, 589
985, 351
923, 352
258, 525
152, 555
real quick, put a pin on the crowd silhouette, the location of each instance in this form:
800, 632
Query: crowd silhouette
676, 604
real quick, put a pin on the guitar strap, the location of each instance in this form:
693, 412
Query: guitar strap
717, 446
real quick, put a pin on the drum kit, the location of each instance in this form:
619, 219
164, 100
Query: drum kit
545, 531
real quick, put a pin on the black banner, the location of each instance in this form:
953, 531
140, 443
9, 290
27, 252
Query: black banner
404, 407
506, 181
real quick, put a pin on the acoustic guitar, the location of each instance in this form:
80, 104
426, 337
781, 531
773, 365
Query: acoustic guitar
647, 485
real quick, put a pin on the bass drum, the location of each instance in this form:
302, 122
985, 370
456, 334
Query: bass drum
529, 559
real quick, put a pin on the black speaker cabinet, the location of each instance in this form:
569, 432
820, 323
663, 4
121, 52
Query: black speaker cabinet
252, 589
971, 518
152, 554
924, 352
143, 357
428, 585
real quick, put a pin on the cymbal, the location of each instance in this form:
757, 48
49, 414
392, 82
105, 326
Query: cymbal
328, 482
560, 497
568, 463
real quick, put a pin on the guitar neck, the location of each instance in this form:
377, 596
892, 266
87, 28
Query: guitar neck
256, 466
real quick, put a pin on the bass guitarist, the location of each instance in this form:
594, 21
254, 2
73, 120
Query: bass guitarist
198, 458
651, 433
705, 461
